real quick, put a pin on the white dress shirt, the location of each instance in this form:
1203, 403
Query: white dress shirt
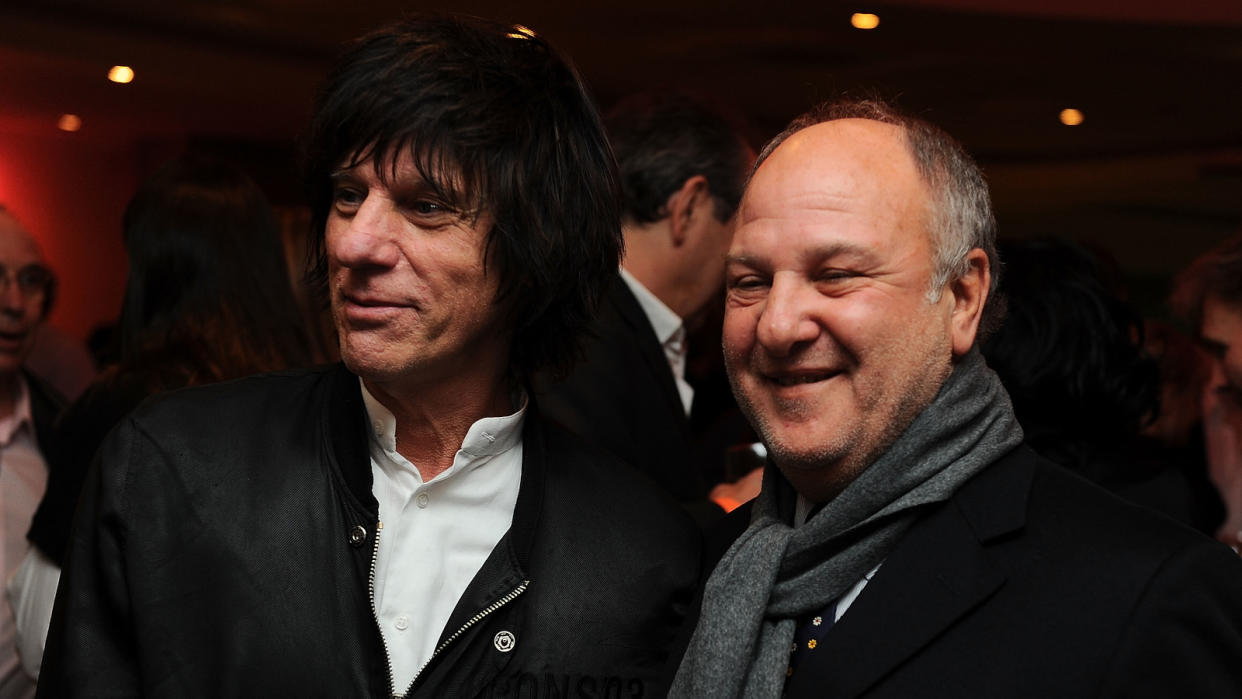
435, 536
670, 331
23, 478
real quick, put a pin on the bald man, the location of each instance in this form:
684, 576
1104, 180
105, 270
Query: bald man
28, 410
905, 543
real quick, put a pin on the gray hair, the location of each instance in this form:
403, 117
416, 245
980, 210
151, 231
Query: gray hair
960, 212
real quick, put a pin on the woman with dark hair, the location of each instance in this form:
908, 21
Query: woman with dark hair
1070, 353
208, 299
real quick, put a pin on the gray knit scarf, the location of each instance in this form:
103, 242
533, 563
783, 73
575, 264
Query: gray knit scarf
774, 574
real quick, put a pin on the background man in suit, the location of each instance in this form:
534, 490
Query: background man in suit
683, 164
28, 410
969, 566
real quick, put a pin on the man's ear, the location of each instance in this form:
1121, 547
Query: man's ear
969, 293
681, 207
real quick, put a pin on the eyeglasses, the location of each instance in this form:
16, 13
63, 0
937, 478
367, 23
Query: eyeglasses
32, 280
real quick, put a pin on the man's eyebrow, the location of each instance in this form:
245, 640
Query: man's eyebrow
817, 253
742, 259
1213, 346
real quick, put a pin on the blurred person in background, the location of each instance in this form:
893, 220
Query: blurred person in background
1070, 353
208, 299
28, 410
683, 162
1209, 295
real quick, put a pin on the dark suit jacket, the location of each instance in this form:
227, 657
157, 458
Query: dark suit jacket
1031, 582
623, 397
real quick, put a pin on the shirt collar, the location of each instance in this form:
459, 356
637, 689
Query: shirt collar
666, 323
486, 437
21, 414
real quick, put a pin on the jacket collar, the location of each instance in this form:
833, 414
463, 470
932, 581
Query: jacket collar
937, 574
346, 424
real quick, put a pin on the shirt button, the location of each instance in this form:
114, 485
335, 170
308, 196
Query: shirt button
379, 428
422, 499
402, 622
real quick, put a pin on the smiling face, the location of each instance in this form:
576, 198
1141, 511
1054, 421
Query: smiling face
413, 305
21, 300
830, 342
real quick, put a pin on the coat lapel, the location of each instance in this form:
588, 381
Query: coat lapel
940, 572
627, 307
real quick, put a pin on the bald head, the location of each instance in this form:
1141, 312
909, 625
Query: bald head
837, 331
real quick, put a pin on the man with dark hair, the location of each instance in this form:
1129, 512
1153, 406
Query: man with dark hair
683, 162
905, 543
28, 410
405, 524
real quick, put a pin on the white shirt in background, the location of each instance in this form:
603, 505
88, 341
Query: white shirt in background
670, 331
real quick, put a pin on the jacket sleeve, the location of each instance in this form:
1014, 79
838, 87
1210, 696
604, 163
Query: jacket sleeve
1184, 637
91, 649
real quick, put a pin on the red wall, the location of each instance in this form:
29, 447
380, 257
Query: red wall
70, 193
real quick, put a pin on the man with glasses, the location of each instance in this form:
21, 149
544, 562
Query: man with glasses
27, 411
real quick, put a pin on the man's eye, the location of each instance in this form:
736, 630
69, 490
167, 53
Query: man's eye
424, 207
347, 198
33, 278
749, 282
836, 275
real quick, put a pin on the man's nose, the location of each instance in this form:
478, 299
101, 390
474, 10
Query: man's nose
786, 321
368, 238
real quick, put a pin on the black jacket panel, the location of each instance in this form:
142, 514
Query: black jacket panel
623, 398
1031, 582
226, 541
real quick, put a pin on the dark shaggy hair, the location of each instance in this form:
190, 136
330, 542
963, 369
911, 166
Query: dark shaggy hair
960, 216
663, 139
497, 123
208, 286
1070, 351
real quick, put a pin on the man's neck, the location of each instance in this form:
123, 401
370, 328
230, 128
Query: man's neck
650, 260
432, 421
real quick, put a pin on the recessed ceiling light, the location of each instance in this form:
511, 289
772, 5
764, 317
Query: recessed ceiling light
121, 74
865, 20
69, 122
1071, 117
521, 32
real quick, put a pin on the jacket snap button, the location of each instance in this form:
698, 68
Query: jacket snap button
357, 535
504, 641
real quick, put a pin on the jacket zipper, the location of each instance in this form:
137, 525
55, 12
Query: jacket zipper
392, 690
512, 595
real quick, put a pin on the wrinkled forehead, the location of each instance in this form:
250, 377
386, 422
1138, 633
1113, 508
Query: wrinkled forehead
841, 159
17, 247
852, 177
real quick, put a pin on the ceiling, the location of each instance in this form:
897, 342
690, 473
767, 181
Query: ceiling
1158, 83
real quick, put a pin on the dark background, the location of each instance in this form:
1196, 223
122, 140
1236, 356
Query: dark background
1153, 176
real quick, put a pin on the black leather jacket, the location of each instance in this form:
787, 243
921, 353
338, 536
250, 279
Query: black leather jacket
225, 543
